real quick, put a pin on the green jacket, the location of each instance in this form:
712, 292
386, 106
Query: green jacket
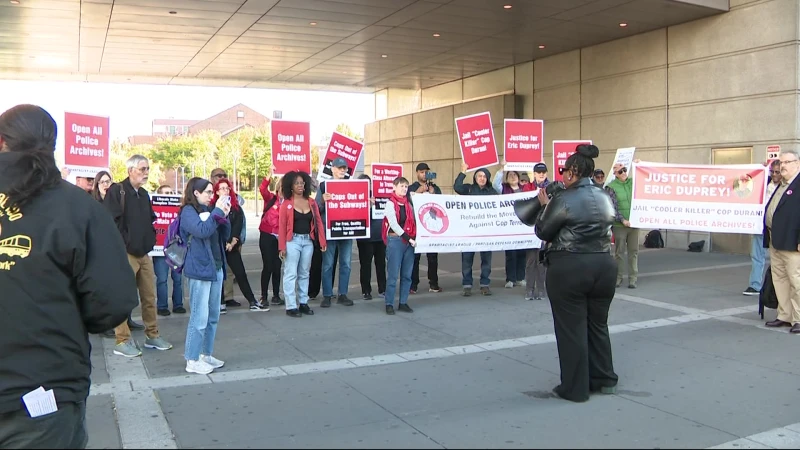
623, 192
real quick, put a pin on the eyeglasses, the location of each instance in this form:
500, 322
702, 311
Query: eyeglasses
621, 171
220, 175
104, 182
784, 163
561, 170
209, 192
143, 169
776, 172
224, 188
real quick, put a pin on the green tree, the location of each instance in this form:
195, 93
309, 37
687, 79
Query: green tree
121, 151
345, 129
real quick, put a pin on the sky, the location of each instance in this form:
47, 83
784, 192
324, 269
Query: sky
132, 108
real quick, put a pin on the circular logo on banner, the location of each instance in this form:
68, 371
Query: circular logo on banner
433, 218
743, 186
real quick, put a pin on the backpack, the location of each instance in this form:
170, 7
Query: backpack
175, 249
767, 298
653, 240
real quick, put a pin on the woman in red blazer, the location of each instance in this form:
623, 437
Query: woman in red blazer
299, 225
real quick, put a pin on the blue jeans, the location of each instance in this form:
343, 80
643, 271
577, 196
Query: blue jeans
400, 256
759, 257
515, 265
202, 329
345, 254
467, 259
162, 272
296, 269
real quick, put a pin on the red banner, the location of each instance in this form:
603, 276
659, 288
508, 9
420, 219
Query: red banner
86, 144
347, 212
476, 138
341, 146
743, 185
291, 147
166, 208
383, 176
524, 140
561, 151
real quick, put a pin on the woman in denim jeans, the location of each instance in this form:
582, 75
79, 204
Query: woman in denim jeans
163, 272
205, 231
299, 224
399, 234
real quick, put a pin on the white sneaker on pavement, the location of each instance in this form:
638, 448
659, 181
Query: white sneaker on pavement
200, 367
211, 361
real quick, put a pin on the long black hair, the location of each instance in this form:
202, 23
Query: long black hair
582, 161
287, 184
96, 188
31, 131
189, 199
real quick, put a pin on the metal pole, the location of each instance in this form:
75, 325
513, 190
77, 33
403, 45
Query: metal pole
176, 178
255, 182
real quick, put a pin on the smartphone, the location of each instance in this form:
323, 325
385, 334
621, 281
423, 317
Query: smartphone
225, 200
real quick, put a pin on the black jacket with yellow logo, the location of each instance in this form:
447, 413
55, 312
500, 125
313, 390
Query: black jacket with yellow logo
63, 272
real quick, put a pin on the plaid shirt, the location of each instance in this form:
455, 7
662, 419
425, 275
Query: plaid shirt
613, 196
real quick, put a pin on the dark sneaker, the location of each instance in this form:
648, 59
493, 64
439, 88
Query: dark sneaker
750, 291
179, 310
305, 309
294, 313
405, 308
325, 303
435, 289
390, 310
343, 300
163, 312
467, 292
485, 290
367, 296
133, 325
276, 300
632, 286
232, 303
258, 306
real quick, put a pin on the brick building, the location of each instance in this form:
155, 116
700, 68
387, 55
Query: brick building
230, 120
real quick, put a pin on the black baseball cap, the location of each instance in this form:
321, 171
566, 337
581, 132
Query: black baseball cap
339, 162
540, 167
422, 166
599, 172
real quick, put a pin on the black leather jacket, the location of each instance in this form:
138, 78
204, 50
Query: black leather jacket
577, 219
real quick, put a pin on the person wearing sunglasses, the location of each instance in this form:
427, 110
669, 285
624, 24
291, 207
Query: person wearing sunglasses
626, 238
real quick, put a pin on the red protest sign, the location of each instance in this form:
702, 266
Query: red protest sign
561, 151
476, 138
347, 212
383, 176
166, 208
86, 144
341, 146
524, 140
291, 146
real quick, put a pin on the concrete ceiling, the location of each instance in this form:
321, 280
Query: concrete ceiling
343, 45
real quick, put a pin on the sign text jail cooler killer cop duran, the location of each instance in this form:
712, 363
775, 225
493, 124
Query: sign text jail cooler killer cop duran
718, 199
476, 139
458, 223
347, 212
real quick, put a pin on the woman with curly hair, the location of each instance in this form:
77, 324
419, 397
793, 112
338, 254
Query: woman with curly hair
299, 224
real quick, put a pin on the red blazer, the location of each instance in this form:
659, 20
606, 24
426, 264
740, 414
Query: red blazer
286, 224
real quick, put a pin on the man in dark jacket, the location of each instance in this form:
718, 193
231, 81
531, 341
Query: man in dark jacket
129, 204
63, 272
421, 186
481, 185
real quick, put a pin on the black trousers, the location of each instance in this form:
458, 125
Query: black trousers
315, 277
580, 287
367, 251
271, 265
236, 264
65, 428
433, 271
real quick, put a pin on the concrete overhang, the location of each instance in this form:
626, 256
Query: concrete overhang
336, 45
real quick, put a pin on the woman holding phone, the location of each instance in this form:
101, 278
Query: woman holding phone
225, 196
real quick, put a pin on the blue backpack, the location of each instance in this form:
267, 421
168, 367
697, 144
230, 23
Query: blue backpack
174, 248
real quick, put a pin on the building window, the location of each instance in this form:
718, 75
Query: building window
172, 130
240, 114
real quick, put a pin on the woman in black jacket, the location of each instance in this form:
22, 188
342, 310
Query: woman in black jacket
576, 223
233, 250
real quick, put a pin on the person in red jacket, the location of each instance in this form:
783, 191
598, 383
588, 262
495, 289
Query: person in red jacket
300, 223
399, 234
268, 243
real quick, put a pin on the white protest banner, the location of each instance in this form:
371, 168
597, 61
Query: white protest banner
718, 199
624, 156
459, 223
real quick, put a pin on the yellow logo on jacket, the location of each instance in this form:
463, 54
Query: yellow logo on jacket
12, 247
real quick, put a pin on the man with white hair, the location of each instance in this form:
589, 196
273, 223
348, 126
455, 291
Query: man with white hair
129, 204
781, 236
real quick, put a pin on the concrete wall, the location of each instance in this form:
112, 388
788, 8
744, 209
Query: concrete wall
678, 95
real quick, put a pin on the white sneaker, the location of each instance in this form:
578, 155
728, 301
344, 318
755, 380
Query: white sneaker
200, 367
522, 283
223, 309
211, 361
509, 285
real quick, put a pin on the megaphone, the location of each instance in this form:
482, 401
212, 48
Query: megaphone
528, 210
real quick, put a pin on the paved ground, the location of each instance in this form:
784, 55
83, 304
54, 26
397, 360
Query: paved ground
697, 369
